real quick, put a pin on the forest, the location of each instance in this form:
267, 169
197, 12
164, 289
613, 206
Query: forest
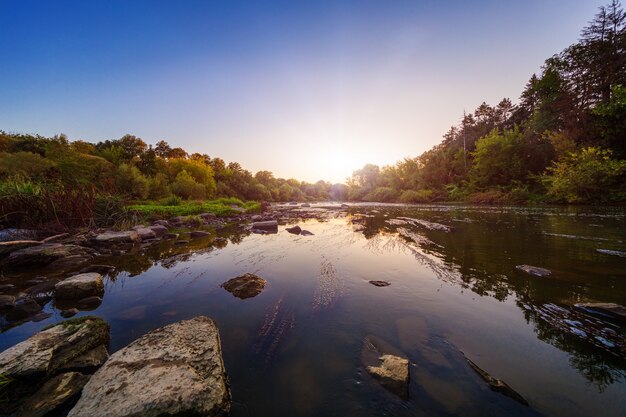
563, 142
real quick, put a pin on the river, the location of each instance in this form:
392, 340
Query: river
455, 292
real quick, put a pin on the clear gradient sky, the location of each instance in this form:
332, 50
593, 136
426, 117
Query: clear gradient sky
306, 89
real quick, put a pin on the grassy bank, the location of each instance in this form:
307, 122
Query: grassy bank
175, 207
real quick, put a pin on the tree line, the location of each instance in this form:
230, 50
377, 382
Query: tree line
565, 141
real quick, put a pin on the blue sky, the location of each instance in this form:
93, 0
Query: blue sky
311, 90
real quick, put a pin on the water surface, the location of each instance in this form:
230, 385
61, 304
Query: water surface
296, 349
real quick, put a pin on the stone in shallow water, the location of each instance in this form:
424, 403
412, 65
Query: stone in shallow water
393, 374
306, 233
175, 370
534, 270
294, 230
612, 252
497, 384
23, 309
245, 286
6, 303
80, 286
198, 233
609, 310
43, 254
110, 237
380, 283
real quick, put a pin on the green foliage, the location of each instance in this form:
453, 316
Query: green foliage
25, 164
417, 196
382, 194
220, 207
130, 182
499, 159
173, 200
590, 175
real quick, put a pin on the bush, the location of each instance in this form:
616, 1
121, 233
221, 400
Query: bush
131, 182
172, 200
417, 196
587, 176
382, 194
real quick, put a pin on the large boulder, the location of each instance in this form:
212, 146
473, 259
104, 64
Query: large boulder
58, 393
48, 352
110, 237
80, 286
172, 371
245, 286
44, 254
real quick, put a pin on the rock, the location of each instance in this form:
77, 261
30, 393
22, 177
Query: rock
145, 233
89, 303
35, 281
170, 236
266, 225
305, 205
612, 252
294, 230
305, 233
44, 254
55, 237
6, 303
111, 237
69, 313
7, 235
47, 352
496, 384
393, 374
23, 309
174, 370
609, 310
158, 230
88, 362
198, 233
245, 286
164, 223
100, 269
207, 216
534, 270
42, 292
7, 287
380, 283
181, 242
344, 205
80, 286
70, 262
58, 393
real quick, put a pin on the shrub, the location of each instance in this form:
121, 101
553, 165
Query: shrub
589, 175
382, 194
417, 196
131, 182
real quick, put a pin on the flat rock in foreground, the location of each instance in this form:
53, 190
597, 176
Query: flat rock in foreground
111, 237
245, 286
49, 351
175, 370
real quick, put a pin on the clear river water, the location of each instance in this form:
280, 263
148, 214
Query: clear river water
297, 348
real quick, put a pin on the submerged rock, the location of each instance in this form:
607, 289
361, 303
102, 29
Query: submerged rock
245, 286
172, 371
306, 233
608, 310
497, 384
534, 270
80, 286
386, 364
379, 283
612, 252
198, 233
294, 230
393, 374
58, 393
69, 313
